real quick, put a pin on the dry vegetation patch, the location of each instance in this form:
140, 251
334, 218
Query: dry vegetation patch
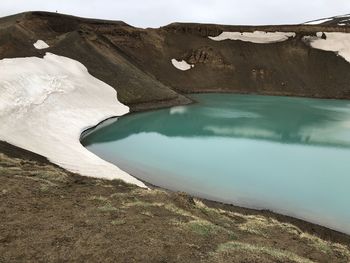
50, 215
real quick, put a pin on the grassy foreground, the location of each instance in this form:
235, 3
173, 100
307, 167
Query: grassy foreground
50, 215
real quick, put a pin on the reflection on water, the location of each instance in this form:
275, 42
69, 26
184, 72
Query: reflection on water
280, 119
285, 154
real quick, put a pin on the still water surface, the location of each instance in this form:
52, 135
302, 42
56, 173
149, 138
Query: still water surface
289, 155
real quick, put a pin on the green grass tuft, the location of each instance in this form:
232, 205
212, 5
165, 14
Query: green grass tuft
203, 228
118, 222
107, 208
276, 254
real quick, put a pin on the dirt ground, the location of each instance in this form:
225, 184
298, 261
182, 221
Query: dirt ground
50, 215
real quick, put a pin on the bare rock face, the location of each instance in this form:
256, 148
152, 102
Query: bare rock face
205, 55
194, 29
261, 74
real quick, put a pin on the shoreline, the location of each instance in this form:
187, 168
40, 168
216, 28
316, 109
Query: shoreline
302, 223
311, 228
307, 226
163, 104
66, 216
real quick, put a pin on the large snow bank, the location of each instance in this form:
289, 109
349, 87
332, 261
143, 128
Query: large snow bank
259, 37
40, 45
46, 103
335, 41
181, 65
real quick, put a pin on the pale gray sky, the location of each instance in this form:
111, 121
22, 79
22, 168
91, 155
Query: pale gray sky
155, 13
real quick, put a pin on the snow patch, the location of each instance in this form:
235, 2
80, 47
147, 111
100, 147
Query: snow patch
181, 65
259, 37
335, 41
319, 21
348, 15
46, 103
40, 44
324, 20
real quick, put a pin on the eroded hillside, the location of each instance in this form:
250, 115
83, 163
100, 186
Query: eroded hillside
137, 62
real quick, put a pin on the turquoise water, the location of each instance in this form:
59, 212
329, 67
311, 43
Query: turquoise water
289, 155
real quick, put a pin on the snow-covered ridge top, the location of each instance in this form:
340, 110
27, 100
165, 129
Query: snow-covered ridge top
181, 65
342, 20
260, 37
40, 44
319, 21
46, 103
334, 41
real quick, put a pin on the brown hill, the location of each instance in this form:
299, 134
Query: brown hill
137, 62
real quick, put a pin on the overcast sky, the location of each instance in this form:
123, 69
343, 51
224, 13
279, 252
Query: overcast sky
155, 13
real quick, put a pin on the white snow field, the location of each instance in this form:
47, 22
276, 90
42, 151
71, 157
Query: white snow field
259, 37
181, 65
46, 103
40, 44
335, 41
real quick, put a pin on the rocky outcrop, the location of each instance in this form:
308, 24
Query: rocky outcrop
206, 55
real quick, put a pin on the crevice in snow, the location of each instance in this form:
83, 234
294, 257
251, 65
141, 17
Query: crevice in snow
259, 37
40, 44
181, 65
333, 41
45, 105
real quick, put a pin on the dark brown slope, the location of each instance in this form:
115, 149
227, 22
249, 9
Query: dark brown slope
85, 41
286, 68
136, 62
